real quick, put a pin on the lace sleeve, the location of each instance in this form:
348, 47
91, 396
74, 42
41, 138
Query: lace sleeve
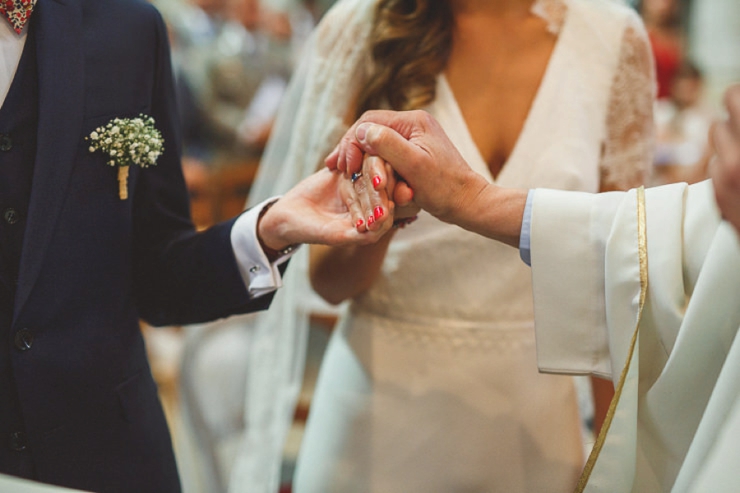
628, 148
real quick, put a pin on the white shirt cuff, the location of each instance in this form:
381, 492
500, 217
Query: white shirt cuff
260, 276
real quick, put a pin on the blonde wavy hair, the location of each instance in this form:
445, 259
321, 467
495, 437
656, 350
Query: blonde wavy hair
409, 45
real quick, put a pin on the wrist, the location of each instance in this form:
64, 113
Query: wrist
495, 212
269, 234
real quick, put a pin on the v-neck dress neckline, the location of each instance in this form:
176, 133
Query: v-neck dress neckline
445, 107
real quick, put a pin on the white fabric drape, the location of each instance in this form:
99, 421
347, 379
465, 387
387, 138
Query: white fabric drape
683, 390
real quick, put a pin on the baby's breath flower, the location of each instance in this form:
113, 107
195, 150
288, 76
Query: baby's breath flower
128, 141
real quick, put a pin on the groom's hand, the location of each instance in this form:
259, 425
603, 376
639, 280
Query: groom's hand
316, 211
417, 148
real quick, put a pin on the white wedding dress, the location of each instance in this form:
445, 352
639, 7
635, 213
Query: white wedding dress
430, 381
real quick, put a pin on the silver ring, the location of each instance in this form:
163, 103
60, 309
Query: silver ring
355, 176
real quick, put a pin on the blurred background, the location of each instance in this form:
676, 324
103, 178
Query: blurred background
233, 60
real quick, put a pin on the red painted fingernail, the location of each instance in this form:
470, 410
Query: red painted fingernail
370, 220
378, 212
359, 223
376, 182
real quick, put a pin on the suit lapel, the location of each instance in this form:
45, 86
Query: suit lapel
58, 32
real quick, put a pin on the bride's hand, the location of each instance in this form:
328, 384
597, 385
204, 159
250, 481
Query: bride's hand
382, 177
322, 209
365, 194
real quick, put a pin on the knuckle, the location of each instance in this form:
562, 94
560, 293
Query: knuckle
426, 118
369, 115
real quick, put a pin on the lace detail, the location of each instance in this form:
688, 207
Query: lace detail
551, 11
628, 149
450, 334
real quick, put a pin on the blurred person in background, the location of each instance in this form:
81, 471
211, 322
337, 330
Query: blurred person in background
251, 52
191, 31
429, 382
231, 60
663, 23
683, 123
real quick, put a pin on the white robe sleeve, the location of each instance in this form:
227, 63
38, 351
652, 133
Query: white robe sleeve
682, 387
569, 232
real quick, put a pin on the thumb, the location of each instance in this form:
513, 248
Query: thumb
385, 142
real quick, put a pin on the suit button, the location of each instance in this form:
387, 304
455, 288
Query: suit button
23, 340
18, 441
6, 143
11, 215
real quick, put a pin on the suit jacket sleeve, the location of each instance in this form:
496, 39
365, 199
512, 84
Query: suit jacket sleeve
180, 276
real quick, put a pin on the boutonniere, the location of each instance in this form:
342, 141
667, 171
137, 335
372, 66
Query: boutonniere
128, 141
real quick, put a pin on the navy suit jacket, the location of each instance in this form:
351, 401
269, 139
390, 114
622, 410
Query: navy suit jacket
92, 265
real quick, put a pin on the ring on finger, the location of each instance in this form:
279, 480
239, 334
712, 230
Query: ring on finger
355, 177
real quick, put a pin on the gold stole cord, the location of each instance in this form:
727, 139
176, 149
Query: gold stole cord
642, 250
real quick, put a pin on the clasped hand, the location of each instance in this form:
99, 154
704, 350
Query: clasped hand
375, 198
414, 146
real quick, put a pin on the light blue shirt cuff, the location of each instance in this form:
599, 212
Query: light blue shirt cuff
525, 236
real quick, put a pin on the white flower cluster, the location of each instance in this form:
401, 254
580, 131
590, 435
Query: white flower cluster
128, 141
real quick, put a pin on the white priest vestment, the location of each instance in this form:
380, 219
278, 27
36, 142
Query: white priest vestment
677, 424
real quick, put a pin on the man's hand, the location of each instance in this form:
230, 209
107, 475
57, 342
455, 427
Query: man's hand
725, 170
417, 148
433, 172
316, 211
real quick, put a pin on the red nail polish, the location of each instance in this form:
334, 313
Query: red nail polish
378, 212
370, 220
376, 182
359, 223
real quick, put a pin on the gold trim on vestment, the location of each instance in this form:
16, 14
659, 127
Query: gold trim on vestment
642, 252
